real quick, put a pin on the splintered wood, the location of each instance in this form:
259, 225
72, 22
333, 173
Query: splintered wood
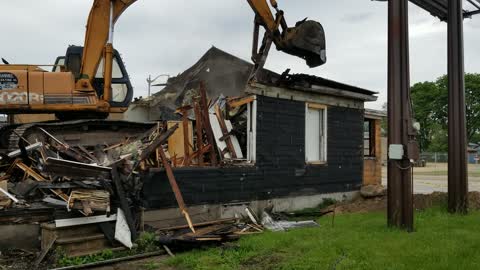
181, 146
98, 200
212, 231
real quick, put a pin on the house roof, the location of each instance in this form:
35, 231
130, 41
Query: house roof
226, 74
375, 114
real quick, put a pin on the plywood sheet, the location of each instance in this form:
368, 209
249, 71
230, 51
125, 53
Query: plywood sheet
176, 145
4, 186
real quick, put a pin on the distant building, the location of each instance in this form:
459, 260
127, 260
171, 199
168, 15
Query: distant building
473, 153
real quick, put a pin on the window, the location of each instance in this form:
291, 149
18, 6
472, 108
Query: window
119, 92
369, 138
116, 71
316, 134
252, 131
59, 64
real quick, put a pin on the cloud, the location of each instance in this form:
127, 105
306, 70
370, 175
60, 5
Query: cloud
357, 17
158, 37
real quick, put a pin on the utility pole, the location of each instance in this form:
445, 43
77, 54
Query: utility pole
400, 128
150, 81
457, 139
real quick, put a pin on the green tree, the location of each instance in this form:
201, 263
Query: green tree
384, 122
430, 105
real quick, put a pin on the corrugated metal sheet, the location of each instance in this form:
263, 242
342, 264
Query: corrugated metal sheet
439, 8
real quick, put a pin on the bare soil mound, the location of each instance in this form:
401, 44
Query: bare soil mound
420, 202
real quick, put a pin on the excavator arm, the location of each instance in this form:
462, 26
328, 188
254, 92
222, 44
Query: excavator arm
103, 15
306, 40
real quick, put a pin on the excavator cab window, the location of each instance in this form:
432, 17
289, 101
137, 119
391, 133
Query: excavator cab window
59, 64
116, 70
119, 84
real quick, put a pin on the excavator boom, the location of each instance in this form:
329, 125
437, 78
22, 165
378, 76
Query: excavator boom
103, 16
91, 81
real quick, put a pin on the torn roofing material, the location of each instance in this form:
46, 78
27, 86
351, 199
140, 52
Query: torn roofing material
225, 74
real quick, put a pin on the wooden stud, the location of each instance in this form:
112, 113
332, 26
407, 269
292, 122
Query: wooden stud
199, 128
240, 101
176, 190
206, 123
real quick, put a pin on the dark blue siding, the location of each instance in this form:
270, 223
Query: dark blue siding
280, 170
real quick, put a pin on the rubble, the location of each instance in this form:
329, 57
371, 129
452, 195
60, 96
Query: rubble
103, 184
284, 225
372, 191
208, 232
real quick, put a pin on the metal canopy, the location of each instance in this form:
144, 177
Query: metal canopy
439, 8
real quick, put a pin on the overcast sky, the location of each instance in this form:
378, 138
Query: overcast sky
168, 36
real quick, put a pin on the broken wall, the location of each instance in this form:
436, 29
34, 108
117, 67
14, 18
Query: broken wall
280, 170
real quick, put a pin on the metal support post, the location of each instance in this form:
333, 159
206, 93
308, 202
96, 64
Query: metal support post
457, 139
400, 190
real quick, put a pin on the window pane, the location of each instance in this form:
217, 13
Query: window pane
313, 135
321, 131
116, 71
119, 92
368, 138
59, 65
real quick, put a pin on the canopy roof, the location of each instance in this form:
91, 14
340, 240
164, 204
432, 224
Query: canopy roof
439, 8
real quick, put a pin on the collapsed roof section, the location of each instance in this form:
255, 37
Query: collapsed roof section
225, 74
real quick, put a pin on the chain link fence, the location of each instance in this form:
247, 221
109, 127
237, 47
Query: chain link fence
435, 157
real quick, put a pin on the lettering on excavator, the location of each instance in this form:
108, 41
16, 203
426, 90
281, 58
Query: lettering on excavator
8, 81
20, 98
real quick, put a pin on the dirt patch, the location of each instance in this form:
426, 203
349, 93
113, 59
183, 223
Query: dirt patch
267, 262
420, 202
19, 260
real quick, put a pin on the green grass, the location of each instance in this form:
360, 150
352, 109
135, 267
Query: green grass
357, 241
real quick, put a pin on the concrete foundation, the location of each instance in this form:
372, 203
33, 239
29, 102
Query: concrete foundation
208, 212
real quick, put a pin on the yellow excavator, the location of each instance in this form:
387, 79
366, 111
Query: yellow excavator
90, 82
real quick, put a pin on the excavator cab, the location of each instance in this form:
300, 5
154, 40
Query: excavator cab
122, 89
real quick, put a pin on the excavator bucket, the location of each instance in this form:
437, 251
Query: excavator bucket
306, 40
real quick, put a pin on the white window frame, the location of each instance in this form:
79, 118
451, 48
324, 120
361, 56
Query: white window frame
325, 129
252, 131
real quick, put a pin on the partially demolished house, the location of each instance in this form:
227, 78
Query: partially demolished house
210, 145
294, 140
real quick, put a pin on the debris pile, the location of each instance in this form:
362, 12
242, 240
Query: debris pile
208, 232
103, 183
91, 181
